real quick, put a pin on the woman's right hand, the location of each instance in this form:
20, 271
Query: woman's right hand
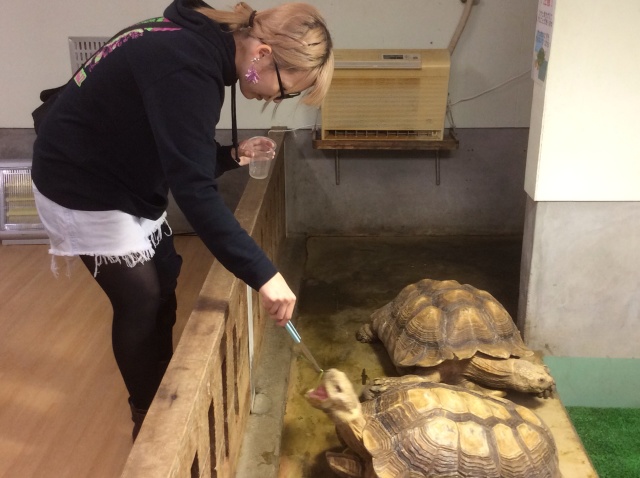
278, 299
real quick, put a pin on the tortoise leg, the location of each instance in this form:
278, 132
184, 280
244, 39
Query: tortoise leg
345, 465
382, 384
366, 334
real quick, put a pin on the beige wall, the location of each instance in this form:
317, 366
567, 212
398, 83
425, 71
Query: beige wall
495, 47
584, 143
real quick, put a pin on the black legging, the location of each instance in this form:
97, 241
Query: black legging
144, 312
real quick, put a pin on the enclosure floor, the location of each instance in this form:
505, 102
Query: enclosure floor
345, 280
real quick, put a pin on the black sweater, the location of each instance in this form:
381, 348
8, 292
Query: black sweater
142, 122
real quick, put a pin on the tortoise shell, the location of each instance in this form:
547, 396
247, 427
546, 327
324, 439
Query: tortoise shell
438, 430
432, 321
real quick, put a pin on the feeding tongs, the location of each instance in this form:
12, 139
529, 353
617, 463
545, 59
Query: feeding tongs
296, 337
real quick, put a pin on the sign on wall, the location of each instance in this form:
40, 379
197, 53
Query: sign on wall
542, 48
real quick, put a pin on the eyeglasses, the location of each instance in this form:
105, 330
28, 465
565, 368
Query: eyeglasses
283, 95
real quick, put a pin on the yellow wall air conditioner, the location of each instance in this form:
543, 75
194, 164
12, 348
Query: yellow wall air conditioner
387, 95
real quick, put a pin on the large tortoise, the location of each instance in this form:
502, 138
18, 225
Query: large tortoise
433, 430
456, 334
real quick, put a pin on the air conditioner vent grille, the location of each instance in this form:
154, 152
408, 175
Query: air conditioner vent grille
389, 103
399, 135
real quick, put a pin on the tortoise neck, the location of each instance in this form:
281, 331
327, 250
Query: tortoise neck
351, 432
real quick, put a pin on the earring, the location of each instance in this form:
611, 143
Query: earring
252, 75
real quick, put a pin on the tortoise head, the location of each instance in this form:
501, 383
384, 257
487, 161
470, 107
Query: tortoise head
336, 397
533, 378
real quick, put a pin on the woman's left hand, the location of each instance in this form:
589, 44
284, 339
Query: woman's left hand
246, 153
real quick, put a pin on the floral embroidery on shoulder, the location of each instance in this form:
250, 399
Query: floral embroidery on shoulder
118, 41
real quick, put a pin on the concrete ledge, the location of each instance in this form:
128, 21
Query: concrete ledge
260, 452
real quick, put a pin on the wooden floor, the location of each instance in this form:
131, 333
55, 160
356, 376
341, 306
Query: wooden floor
63, 406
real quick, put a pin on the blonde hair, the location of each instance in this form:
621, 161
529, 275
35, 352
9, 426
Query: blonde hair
297, 35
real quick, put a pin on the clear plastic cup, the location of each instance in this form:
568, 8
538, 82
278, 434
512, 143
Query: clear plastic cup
264, 150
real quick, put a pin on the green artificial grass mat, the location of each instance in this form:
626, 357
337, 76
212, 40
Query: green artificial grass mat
611, 437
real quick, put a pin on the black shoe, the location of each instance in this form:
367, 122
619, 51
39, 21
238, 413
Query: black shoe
137, 416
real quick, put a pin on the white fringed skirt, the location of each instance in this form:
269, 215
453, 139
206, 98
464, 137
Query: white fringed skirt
109, 236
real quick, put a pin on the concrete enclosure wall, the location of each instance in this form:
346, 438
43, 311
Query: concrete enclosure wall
583, 298
394, 192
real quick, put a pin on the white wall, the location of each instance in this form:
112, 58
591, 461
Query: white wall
496, 46
584, 143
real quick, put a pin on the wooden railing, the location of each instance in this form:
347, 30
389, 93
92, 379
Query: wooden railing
195, 425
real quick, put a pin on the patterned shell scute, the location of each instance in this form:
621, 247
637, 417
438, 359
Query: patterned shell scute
438, 430
432, 321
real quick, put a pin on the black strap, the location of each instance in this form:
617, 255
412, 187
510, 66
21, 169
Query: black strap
234, 123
